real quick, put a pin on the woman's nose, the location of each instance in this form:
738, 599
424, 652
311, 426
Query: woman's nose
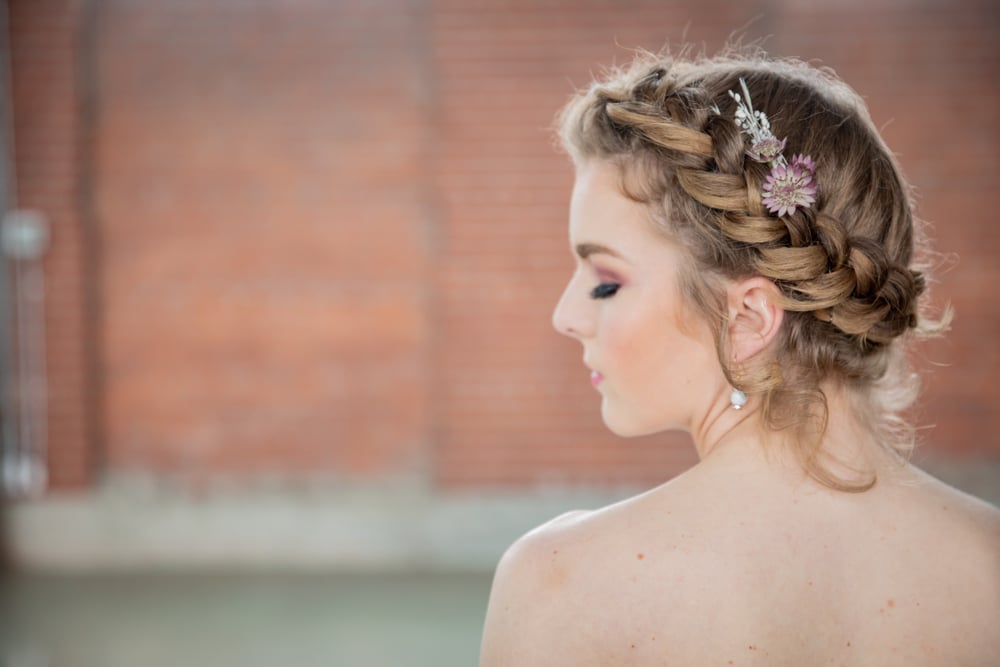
567, 318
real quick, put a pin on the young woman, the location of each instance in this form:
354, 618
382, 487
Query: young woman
747, 270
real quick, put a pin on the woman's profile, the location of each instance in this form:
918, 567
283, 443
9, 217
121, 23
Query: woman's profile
749, 270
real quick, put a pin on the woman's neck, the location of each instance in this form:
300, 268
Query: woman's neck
849, 450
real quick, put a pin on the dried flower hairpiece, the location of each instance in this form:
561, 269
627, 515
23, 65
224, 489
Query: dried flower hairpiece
789, 185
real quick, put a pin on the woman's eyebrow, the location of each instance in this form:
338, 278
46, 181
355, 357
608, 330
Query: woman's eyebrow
585, 250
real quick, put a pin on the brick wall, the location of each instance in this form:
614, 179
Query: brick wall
331, 234
266, 238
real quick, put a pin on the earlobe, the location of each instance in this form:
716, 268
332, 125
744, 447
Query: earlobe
754, 317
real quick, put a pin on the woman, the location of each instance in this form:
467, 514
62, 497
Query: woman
747, 270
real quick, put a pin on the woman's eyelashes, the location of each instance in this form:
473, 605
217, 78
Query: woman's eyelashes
604, 290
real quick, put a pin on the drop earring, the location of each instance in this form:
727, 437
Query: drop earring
737, 399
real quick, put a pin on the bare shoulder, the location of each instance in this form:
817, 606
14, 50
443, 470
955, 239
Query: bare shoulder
584, 588
524, 618
965, 526
964, 516
946, 549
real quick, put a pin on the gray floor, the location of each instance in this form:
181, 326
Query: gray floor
369, 620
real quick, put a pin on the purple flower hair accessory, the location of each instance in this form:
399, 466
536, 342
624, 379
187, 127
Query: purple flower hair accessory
789, 185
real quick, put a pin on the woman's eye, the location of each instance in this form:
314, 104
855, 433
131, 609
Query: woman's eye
604, 290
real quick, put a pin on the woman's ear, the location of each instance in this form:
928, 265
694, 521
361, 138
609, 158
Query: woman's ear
754, 316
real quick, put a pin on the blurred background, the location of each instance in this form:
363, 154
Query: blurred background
279, 384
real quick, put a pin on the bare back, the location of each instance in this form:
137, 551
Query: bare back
717, 568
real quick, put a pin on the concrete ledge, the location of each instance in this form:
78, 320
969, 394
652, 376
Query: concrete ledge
130, 524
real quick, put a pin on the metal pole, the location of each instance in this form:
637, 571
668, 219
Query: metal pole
8, 439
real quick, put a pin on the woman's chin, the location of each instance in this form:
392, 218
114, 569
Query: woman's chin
629, 425
622, 425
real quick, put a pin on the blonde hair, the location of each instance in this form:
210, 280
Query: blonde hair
845, 267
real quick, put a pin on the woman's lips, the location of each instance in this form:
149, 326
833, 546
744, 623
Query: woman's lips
596, 378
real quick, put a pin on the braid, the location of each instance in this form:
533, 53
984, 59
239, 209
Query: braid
849, 282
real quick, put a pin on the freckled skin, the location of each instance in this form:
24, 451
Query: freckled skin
749, 561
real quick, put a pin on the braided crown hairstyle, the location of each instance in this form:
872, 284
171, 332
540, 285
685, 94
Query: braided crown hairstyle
845, 267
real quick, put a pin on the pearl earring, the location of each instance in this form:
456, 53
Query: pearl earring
737, 399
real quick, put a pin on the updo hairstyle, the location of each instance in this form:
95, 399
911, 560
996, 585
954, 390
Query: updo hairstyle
845, 267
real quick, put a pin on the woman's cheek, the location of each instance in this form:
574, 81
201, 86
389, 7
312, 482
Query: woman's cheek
620, 347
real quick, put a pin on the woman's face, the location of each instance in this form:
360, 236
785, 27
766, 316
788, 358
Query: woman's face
652, 360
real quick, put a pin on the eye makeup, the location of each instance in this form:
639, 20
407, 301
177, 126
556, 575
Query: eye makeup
604, 290
608, 285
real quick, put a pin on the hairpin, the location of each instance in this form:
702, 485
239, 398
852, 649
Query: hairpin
789, 185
